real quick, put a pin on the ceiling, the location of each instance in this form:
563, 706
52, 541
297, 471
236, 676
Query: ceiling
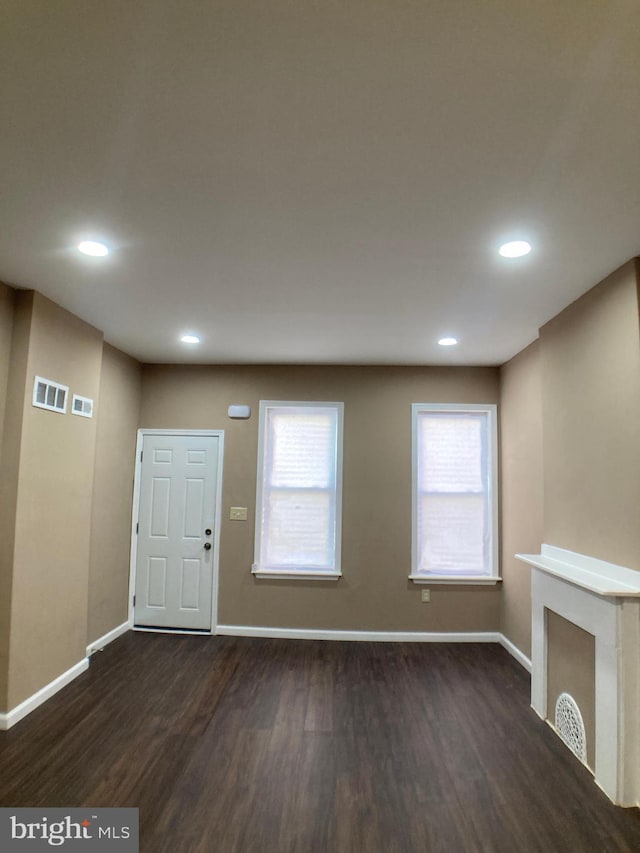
300, 181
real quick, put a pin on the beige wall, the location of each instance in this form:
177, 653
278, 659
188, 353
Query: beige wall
591, 411
374, 593
571, 669
7, 299
521, 487
6, 539
9, 471
117, 422
48, 629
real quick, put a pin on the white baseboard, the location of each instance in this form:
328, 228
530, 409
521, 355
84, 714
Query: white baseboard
368, 636
20, 711
144, 629
109, 637
515, 652
378, 636
365, 636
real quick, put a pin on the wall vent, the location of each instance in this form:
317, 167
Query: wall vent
570, 727
50, 395
82, 406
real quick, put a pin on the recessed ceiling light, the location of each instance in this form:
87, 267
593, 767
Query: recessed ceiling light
515, 249
190, 339
91, 247
448, 342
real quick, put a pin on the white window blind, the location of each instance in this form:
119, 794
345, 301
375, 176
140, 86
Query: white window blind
454, 491
299, 489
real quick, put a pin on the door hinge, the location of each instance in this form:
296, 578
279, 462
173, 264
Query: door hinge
141, 452
137, 527
134, 601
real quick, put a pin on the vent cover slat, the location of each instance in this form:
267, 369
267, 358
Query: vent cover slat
570, 727
82, 406
50, 395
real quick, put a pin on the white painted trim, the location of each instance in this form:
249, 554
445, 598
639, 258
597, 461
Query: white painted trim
49, 383
491, 410
99, 644
515, 652
217, 522
469, 580
135, 511
301, 575
590, 564
179, 431
366, 636
20, 711
265, 406
216, 532
615, 624
378, 637
586, 572
193, 632
83, 400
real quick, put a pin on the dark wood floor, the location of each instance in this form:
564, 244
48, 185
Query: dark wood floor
273, 746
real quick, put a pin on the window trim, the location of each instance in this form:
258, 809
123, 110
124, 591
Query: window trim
298, 573
491, 409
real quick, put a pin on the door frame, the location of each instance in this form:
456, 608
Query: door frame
217, 523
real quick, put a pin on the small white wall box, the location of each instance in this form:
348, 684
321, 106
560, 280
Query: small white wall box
82, 406
50, 395
241, 412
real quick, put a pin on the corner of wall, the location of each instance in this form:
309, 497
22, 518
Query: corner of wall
118, 416
521, 456
16, 320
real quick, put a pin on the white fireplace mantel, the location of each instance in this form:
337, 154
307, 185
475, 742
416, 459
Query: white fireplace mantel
603, 599
586, 572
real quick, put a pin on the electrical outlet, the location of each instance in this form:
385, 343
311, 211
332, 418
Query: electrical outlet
238, 513
425, 595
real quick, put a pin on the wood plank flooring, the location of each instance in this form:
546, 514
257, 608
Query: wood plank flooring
236, 745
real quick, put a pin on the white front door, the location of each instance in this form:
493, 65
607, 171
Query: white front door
176, 525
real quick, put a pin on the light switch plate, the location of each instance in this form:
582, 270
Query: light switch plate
238, 513
425, 595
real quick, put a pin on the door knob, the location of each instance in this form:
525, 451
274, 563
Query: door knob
207, 546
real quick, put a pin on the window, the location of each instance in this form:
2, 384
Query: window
455, 527
298, 506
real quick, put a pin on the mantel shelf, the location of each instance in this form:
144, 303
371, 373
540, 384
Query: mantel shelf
588, 573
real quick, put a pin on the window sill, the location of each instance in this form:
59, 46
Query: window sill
296, 575
455, 581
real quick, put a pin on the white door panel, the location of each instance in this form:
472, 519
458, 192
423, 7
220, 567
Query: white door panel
176, 522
